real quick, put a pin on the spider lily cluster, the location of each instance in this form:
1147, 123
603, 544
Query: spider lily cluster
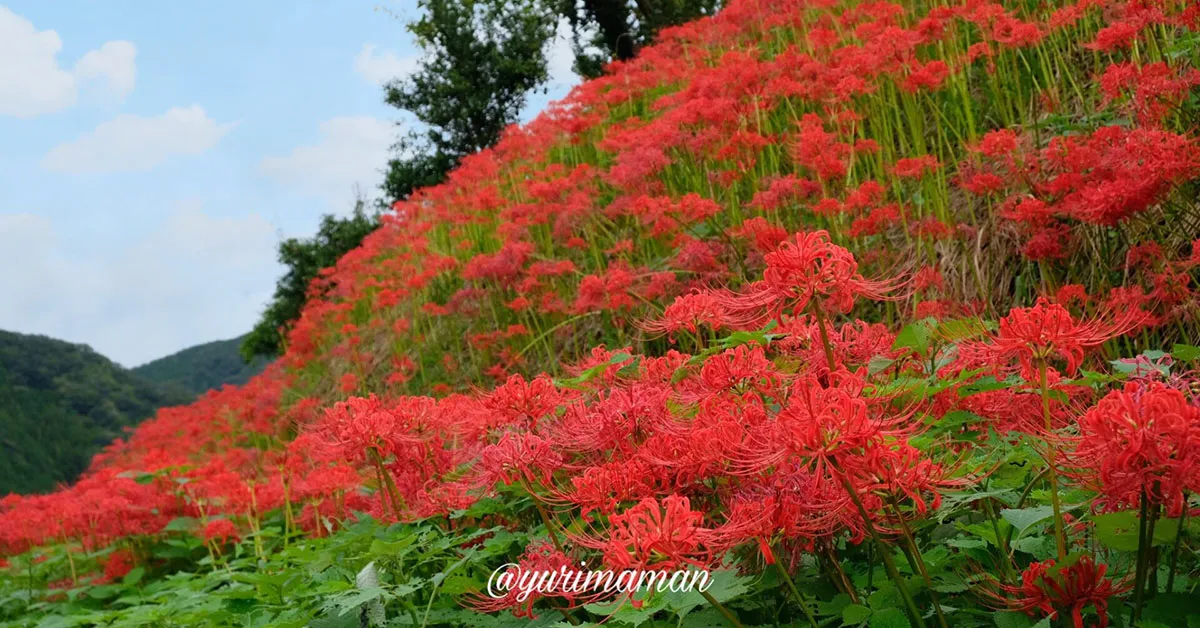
828, 291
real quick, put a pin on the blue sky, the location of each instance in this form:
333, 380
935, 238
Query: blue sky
152, 155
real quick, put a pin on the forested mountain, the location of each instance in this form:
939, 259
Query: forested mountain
203, 367
59, 404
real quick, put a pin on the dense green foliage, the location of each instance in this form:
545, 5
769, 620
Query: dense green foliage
481, 61
304, 258
59, 404
205, 367
816, 295
483, 58
603, 30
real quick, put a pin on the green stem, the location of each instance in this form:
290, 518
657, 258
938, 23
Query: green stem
1140, 572
1179, 533
1060, 537
385, 480
889, 564
795, 592
920, 563
730, 617
820, 315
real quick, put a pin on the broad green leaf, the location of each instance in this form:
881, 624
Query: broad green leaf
1118, 530
878, 364
915, 336
1186, 353
134, 576
1024, 519
889, 618
181, 524
855, 614
1011, 619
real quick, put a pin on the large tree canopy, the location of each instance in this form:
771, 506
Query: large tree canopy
482, 59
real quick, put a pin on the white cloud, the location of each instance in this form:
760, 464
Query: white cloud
113, 65
130, 143
194, 278
350, 152
560, 59
33, 84
383, 67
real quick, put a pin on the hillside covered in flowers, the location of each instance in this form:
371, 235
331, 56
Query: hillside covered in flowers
885, 313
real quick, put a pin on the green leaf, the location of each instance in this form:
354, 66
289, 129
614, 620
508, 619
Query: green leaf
967, 543
1026, 518
878, 364
181, 524
915, 336
724, 585
855, 614
105, 592
1118, 530
1186, 353
1041, 547
961, 329
392, 549
134, 576
889, 618
1011, 619
620, 357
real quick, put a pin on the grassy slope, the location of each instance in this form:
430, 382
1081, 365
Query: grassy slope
431, 303
203, 367
59, 404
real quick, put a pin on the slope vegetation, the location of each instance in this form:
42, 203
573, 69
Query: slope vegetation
881, 311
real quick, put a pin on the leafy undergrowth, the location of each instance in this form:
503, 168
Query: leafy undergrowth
882, 312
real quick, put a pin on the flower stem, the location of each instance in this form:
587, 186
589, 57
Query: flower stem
889, 564
729, 616
1060, 537
820, 315
1142, 551
1179, 533
385, 479
919, 561
795, 592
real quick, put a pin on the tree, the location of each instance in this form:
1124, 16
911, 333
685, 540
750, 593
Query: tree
606, 30
304, 259
482, 59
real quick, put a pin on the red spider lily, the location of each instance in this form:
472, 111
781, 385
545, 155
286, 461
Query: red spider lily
690, 311
1036, 334
915, 167
1155, 88
220, 531
653, 534
738, 370
1049, 591
793, 503
540, 574
1142, 442
810, 267
518, 457
1010, 410
522, 403
831, 426
119, 563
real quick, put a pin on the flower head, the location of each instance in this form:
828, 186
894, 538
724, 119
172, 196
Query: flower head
1033, 335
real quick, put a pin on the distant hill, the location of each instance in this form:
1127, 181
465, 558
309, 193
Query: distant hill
202, 367
60, 403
